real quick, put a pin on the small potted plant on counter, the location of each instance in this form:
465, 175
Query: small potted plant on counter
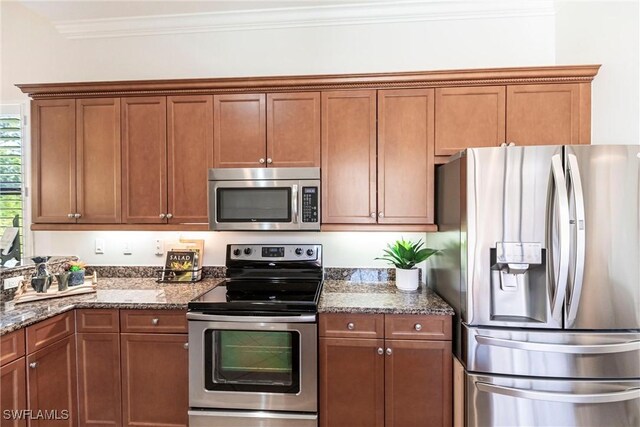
404, 255
76, 272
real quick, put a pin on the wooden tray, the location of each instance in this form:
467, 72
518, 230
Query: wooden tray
27, 294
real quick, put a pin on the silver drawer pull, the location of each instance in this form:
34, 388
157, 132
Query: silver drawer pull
417, 327
169, 216
350, 326
389, 351
380, 351
155, 322
33, 365
373, 215
186, 346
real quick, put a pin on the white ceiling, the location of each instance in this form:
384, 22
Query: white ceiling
73, 10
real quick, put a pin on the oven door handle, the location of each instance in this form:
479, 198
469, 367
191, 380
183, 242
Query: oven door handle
305, 318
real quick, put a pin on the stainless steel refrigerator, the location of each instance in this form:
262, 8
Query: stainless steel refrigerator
541, 262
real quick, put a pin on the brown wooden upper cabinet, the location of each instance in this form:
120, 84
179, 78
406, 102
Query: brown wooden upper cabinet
386, 183
487, 116
76, 161
272, 130
549, 114
469, 117
167, 149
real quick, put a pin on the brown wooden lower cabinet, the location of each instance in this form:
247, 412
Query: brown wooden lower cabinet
52, 379
385, 382
13, 393
99, 382
154, 379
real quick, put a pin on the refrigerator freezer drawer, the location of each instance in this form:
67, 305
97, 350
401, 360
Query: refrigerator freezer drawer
551, 353
512, 401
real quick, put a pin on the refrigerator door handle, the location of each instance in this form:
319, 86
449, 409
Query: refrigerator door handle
616, 396
560, 186
576, 290
620, 347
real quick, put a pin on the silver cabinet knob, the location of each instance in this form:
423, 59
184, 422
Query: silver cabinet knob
373, 214
77, 215
33, 365
381, 215
162, 216
350, 326
70, 216
155, 322
186, 346
380, 351
261, 161
417, 327
169, 216
269, 160
389, 351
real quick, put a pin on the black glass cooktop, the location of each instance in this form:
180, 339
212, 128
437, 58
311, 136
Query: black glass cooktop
260, 295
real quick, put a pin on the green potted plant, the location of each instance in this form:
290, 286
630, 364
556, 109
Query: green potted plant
76, 272
404, 255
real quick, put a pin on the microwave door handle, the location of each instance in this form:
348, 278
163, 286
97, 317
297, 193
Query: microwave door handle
294, 203
578, 276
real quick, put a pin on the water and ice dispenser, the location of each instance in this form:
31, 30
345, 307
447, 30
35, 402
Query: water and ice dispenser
518, 282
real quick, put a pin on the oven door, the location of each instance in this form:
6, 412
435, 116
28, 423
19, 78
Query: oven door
247, 362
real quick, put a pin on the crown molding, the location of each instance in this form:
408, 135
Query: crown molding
301, 17
401, 80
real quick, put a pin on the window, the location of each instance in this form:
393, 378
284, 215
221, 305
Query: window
11, 173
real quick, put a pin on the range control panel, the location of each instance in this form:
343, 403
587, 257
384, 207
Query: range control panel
275, 252
309, 204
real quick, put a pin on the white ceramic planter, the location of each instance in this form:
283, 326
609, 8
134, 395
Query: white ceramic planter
407, 280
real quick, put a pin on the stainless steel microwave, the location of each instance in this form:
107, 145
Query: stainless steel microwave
264, 199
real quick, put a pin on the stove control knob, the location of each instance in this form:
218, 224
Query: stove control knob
298, 251
310, 252
237, 252
247, 251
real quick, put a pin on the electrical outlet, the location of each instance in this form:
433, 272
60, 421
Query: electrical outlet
126, 248
12, 282
99, 246
159, 247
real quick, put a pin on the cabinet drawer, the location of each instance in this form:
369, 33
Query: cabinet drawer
417, 327
351, 325
93, 320
154, 321
11, 346
49, 331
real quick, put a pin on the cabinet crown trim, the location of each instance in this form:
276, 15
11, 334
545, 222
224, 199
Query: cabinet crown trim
412, 79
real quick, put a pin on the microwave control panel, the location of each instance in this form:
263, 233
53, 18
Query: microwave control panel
309, 204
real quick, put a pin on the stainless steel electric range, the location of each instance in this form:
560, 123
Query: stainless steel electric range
253, 351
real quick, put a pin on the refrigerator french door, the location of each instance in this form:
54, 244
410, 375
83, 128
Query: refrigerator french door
541, 261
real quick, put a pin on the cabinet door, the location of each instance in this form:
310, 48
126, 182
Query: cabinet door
190, 155
98, 160
469, 117
54, 160
99, 379
349, 157
551, 114
351, 382
154, 379
418, 369
51, 379
144, 160
405, 156
293, 129
239, 131
13, 393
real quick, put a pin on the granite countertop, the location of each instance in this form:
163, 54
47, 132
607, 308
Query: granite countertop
341, 296
126, 293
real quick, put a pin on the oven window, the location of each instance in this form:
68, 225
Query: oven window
254, 204
259, 361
